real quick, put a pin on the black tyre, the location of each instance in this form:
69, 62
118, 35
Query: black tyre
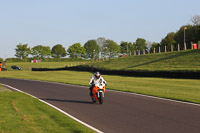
100, 98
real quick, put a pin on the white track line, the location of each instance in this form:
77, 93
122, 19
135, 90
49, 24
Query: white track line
85, 124
129, 93
159, 98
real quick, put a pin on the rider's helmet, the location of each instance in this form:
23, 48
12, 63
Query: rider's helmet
97, 75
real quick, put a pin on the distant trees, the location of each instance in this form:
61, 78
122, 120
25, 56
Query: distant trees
111, 48
76, 50
1, 59
156, 46
168, 40
126, 47
58, 51
40, 51
101, 41
91, 48
140, 44
191, 35
196, 20
22, 51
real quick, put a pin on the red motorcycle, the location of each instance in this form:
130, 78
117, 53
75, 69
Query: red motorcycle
98, 92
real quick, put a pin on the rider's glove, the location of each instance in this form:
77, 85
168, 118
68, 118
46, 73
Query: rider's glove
104, 83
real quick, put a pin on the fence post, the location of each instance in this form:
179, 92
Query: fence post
149, 51
139, 53
172, 48
192, 45
165, 48
199, 44
143, 51
185, 46
159, 49
178, 47
154, 50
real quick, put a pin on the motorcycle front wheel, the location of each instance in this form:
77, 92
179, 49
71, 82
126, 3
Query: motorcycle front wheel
100, 98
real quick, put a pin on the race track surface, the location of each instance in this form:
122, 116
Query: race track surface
120, 112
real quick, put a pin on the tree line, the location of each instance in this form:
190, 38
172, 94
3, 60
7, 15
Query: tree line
102, 47
92, 49
188, 33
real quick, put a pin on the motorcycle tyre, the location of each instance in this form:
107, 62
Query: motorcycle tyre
100, 98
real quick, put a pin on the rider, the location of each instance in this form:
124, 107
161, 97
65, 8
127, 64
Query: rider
94, 79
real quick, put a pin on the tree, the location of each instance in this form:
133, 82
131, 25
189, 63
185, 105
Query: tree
140, 44
126, 47
58, 51
22, 51
101, 42
196, 20
1, 59
111, 48
156, 46
76, 50
149, 45
168, 41
191, 35
91, 48
40, 51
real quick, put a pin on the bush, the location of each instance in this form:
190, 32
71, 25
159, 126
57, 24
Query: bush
17, 60
1, 59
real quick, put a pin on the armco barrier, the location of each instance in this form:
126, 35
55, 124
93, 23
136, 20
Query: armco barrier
135, 73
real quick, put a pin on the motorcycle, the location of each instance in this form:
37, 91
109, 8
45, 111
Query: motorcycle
98, 92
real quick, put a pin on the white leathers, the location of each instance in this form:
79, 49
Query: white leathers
94, 80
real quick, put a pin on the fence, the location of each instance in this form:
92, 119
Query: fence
172, 48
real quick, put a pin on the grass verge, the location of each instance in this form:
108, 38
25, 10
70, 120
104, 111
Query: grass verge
2, 88
22, 113
28, 65
178, 89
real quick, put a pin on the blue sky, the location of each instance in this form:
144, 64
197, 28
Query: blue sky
51, 22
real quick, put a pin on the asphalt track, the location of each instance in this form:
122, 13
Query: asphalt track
120, 112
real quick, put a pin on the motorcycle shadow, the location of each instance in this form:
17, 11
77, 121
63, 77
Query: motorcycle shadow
70, 101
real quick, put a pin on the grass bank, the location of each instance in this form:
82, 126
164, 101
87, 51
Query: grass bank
22, 113
170, 61
178, 89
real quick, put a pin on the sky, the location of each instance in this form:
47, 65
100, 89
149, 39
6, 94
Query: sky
51, 22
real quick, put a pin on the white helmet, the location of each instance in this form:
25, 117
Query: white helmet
97, 75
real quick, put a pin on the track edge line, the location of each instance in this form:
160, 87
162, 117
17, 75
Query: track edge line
74, 118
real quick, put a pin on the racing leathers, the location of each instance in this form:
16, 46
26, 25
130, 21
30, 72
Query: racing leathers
93, 81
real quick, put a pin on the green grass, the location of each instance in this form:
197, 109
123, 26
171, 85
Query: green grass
34, 116
179, 89
2, 88
183, 60
28, 65
22, 113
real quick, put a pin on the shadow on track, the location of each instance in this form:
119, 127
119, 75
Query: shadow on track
71, 101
